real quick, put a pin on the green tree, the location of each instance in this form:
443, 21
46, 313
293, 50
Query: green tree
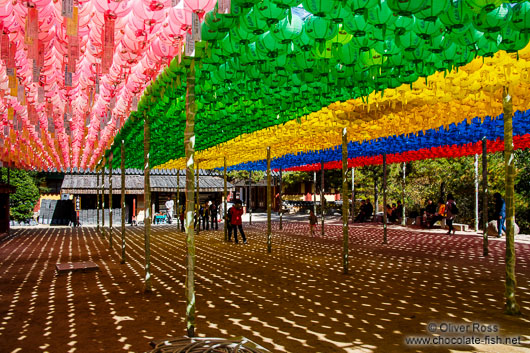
23, 201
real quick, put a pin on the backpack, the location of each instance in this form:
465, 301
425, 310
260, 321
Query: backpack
454, 209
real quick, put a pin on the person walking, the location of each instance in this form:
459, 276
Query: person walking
228, 222
213, 215
205, 216
450, 213
500, 213
312, 222
237, 222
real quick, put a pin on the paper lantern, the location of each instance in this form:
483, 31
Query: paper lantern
478, 5
432, 9
285, 31
381, 17
357, 25
320, 29
361, 6
466, 35
456, 15
269, 11
253, 23
402, 25
513, 41
319, 7
269, 46
242, 35
287, 4
349, 54
406, 7
488, 45
428, 29
245, 4
521, 17
493, 20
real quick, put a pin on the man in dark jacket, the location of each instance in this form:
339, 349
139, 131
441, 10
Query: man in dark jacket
369, 209
213, 215
500, 213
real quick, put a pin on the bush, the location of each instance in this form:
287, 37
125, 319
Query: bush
23, 201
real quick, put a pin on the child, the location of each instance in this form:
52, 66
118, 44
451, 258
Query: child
312, 222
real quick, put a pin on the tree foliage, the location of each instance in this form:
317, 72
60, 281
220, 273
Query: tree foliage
23, 201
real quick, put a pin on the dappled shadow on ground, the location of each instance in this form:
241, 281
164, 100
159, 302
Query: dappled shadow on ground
295, 299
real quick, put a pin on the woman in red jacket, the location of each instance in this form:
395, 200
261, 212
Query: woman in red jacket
236, 221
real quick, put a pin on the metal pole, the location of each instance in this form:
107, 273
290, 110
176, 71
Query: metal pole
147, 204
345, 206
225, 202
403, 218
197, 199
122, 201
352, 194
485, 250
250, 198
511, 306
322, 196
269, 201
384, 200
189, 140
178, 199
281, 211
315, 192
476, 193
110, 199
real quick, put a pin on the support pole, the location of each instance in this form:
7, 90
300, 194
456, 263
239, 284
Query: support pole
178, 199
485, 250
322, 196
280, 193
345, 206
110, 200
103, 200
476, 194
352, 194
122, 201
147, 203
511, 306
189, 140
403, 219
97, 202
250, 198
269, 201
384, 201
197, 198
225, 202
315, 193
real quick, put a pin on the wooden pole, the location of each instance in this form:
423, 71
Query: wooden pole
345, 206
97, 201
103, 200
110, 199
122, 201
225, 201
197, 199
322, 196
147, 203
476, 194
280, 193
178, 199
250, 198
269, 201
511, 306
403, 218
384, 201
485, 250
352, 194
315, 193
189, 140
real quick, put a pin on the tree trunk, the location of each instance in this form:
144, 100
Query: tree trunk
322, 201
352, 194
250, 198
225, 211
345, 206
122, 201
403, 218
384, 200
110, 199
485, 250
376, 196
189, 139
476, 194
280, 194
315, 193
103, 235
97, 202
177, 199
269, 201
197, 197
147, 203
511, 307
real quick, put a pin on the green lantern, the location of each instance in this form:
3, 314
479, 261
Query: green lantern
222, 23
269, 11
427, 29
438, 44
409, 41
253, 55
245, 4
230, 47
306, 61
387, 47
521, 17
361, 6
287, 4
319, 7
494, 20
478, 5
269, 46
304, 42
357, 25
432, 9
466, 35
371, 58
320, 30
464, 55
338, 13
252, 22
211, 34
406, 7
382, 18
456, 15
513, 41
243, 36
488, 45
417, 55
403, 24
285, 31
349, 54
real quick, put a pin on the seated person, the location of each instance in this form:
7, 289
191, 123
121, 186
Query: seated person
389, 217
439, 215
394, 213
361, 216
399, 210
429, 213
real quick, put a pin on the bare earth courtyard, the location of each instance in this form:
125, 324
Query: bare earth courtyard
293, 300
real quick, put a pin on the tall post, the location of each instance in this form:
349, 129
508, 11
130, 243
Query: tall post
322, 195
103, 199
97, 201
122, 201
110, 199
189, 140
403, 219
352, 194
476, 194
250, 198
485, 250
315, 193
511, 305
147, 203
178, 199
280, 194
225, 201
197, 199
269, 201
345, 206
384, 200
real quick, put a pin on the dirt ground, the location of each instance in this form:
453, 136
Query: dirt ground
295, 299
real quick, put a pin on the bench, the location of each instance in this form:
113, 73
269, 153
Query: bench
82, 266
